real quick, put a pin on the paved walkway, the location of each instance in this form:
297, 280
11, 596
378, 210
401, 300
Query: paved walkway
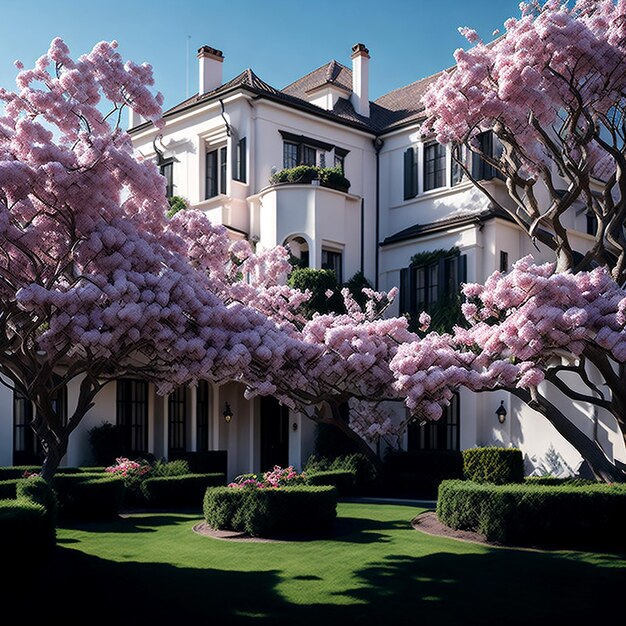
431, 504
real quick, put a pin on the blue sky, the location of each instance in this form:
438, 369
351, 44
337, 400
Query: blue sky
279, 40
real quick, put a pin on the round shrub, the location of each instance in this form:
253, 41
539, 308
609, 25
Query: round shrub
493, 465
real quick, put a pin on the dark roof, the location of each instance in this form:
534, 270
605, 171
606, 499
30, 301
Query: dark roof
462, 218
332, 73
398, 107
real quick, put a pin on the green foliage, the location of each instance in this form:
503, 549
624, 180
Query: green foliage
318, 282
8, 488
356, 284
343, 480
88, 496
27, 524
107, 443
419, 473
356, 463
177, 203
9, 472
178, 467
179, 491
267, 512
574, 517
331, 177
430, 256
493, 465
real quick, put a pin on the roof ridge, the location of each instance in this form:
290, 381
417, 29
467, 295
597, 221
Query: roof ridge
317, 69
419, 80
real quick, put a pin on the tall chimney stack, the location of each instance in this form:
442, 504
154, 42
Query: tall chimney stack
210, 69
360, 79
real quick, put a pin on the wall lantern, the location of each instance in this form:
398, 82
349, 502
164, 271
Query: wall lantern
501, 412
228, 414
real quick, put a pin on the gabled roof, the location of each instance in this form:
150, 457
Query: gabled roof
393, 110
333, 73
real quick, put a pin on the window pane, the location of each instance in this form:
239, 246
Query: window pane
167, 170
132, 414
433, 283
223, 156
332, 261
434, 166
309, 156
211, 174
240, 165
290, 154
177, 412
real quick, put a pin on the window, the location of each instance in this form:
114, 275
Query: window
434, 166
177, 413
489, 145
290, 155
410, 174
592, 223
340, 159
457, 174
132, 414
331, 260
424, 285
504, 261
215, 178
240, 172
166, 169
26, 446
444, 434
301, 150
202, 416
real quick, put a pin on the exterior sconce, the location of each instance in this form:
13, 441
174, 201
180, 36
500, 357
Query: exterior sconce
227, 413
294, 426
501, 412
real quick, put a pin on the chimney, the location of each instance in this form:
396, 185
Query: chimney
360, 79
210, 65
134, 119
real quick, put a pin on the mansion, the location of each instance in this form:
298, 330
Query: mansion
409, 218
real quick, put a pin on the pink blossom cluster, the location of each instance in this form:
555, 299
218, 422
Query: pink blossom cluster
126, 468
277, 477
520, 325
549, 62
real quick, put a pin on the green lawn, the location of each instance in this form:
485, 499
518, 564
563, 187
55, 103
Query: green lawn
153, 569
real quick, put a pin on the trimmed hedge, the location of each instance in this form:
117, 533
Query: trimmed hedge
356, 462
343, 480
267, 512
587, 517
179, 491
493, 465
28, 524
88, 496
8, 488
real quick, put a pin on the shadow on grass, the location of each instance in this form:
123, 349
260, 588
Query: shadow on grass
494, 587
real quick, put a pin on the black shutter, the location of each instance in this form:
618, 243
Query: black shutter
243, 170
410, 174
462, 268
405, 293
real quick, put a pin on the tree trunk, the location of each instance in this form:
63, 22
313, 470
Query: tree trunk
602, 468
337, 421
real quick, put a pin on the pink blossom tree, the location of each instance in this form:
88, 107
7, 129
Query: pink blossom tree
526, 327
551, 91
96, 283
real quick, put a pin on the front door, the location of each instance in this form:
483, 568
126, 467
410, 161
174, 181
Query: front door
274, 434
